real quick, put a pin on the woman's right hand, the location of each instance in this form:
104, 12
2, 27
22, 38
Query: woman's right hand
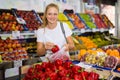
49, 45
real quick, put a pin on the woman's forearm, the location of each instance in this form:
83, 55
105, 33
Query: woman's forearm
40, 49
70, 43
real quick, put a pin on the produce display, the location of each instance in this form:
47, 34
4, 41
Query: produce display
83, 42
12, 20
107, 21
12, 50
112, 51
30, 18
8, 21
91, 47
94, 40
99, 57
98, 21
62, 17
59, 70
90, 25
87, 19
75, 20
29, 44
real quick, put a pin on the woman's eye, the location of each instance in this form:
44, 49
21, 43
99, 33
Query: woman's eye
52, 14
49, 13
55, 14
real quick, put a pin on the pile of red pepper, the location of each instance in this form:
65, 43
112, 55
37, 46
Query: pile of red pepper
59, 70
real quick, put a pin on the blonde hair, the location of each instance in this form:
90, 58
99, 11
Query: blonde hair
45, 21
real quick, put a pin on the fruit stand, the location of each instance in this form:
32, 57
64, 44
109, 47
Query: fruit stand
95, 47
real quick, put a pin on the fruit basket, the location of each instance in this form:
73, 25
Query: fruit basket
99, 22
107, 21
85, 17
31, 19
12, 50
87, 20
78, 24
6, 14
8, 21
29, 45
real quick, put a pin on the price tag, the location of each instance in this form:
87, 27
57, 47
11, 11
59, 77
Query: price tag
84, 65
94, 30
18, 63
101, 30
82, 30
11, 72
15, 34
21, 21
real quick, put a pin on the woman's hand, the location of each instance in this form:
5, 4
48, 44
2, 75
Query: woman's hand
49, 45
69, 47
66, 47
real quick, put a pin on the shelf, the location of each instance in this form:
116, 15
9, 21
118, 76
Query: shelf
6, 34
17, 34
11, 64
80, 31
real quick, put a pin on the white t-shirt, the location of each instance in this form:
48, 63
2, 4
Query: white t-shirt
55, 35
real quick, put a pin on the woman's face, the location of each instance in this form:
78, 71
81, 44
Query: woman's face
52, 15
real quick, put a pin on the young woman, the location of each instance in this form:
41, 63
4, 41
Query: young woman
51, 33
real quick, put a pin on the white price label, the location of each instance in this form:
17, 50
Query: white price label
11, 72
82, 30
18, 63
86, 66
102, 30
21, 21
94, 30
15, 34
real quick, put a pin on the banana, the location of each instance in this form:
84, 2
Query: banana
75, 40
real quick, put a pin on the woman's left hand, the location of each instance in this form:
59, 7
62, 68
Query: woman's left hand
66, 47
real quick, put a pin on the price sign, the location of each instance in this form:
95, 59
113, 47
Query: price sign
18, 63
101, 30
84, 65
15, 34
11, 72
82, 30
94, 30
21, 21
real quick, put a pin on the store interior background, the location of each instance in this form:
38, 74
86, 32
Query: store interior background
108, 7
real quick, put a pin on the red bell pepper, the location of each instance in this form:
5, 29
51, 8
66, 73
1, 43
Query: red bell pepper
76, 69
94, 76
84, 75
68, 64
58, 62
55, 49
